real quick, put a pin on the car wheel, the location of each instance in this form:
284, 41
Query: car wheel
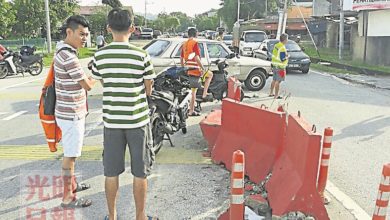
255, 81
305, 71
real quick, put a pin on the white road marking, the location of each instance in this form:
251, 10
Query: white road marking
347, 202
343, 81
93, 127
3, 113
14, 115
19, 84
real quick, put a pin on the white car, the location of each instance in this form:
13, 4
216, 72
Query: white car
251, 40
254, 72
147, 33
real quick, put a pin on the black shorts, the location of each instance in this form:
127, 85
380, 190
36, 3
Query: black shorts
195, 82
140, 144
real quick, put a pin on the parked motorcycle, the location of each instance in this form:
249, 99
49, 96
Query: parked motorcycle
218, 85
169, 105
15, 63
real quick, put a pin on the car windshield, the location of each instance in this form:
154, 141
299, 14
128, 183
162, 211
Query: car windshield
156, 48
254, 37
147, 30
228, 37
291, 46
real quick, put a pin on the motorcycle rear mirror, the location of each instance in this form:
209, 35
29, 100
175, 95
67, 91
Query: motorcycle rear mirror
191, 56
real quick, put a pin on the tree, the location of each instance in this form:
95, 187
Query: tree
113, 3
172, 23
98, 21
249, 9
30, 17
59, 11
185, 21
203, 22
7, 18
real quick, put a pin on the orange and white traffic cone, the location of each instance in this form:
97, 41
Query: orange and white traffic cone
323, 176
382, 200
237, 186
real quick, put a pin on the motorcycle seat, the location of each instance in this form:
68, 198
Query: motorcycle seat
30, 59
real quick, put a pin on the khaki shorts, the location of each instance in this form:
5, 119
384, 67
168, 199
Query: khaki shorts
140, 145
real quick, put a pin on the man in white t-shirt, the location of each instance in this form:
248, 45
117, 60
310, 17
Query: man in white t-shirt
100, 42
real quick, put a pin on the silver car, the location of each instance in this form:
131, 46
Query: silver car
253, 72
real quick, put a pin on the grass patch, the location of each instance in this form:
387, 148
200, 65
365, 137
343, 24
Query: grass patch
83, 53
331, 54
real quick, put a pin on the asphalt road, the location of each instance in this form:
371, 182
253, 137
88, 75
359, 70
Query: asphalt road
186, 185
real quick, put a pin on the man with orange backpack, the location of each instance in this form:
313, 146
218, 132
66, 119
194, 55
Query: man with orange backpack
71, 86
191, 46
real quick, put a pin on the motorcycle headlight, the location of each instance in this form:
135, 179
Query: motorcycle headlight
305, 60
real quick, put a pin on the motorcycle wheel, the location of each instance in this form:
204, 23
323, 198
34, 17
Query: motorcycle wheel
35, 69
3, 71
157, 132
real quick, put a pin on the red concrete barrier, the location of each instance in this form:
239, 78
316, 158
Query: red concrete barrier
210, 126
234, 89
382, 200
257, 132
292, 186
323, 176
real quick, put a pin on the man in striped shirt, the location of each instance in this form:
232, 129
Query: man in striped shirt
71, 84
127, 76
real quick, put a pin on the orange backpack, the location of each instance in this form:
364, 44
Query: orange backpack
52, 131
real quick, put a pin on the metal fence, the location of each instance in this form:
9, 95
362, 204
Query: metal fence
40, 43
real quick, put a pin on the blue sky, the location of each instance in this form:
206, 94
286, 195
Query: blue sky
190, 7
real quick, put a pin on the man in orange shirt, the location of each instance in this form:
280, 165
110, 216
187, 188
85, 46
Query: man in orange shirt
2, 51
191, 46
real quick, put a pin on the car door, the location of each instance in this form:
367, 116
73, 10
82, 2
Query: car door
217, 51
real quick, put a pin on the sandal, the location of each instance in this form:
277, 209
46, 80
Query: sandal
77, 203
194, 113
81, 187
271, 95
152, 218
279, 97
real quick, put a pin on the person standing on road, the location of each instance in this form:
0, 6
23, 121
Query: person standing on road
100, 41
220, 36
127, 76
71, 84
189, 47
279, 64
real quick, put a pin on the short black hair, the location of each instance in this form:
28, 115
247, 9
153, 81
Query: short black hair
283, 37
120, 19
74, 21
192, 32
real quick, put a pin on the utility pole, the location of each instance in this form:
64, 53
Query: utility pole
284, 16
341, 40
145, 13
48, 34
238, 11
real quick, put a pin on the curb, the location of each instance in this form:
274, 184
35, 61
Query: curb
349, 79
